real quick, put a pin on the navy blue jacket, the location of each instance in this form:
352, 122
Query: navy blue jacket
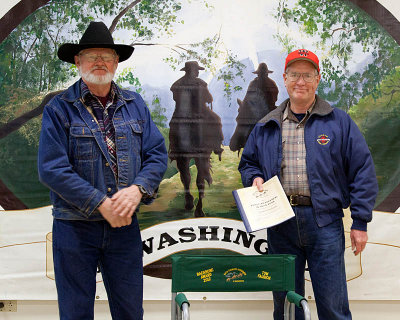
73, 160
339, 165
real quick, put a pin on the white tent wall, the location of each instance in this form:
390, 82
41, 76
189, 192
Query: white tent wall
206, 309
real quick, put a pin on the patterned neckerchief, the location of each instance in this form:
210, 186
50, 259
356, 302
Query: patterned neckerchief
104, 116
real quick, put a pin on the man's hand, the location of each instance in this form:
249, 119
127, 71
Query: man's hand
358, 240
258, 182
106, 210
125, 201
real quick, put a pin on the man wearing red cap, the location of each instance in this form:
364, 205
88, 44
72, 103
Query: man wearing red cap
100, 154
324, 165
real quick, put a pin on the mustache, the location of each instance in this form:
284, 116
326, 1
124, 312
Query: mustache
91, 77
99, 68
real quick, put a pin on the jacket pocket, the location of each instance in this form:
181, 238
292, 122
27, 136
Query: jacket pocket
82, 143
137, 130
341, 182
136, 127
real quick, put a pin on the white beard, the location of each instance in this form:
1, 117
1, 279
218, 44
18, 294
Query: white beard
89, 77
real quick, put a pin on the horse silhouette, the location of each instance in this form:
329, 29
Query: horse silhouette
195, 132
260, 99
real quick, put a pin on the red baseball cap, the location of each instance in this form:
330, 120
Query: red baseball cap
302, 54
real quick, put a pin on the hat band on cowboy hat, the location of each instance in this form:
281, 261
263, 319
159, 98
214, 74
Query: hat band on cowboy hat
96, 35
302, 54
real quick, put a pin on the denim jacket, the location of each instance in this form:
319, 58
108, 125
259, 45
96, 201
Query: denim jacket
340, 169
73, 160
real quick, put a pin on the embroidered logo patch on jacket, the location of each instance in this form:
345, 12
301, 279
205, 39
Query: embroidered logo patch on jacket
323, 139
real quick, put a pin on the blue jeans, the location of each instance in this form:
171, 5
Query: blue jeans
79, 247
323, 249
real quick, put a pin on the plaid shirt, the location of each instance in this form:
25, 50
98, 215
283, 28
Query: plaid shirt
293, 168
105, 123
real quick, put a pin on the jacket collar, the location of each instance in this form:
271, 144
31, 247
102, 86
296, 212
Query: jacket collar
73, 93
321, 108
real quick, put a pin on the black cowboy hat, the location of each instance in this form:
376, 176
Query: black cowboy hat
262, 68
96, 35
191, 64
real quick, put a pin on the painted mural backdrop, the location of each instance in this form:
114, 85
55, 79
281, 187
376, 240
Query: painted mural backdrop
237, 50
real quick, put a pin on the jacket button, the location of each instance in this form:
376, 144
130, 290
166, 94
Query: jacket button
109, 189
107, 164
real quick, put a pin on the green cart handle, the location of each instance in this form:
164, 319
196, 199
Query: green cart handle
180, 299
295, 298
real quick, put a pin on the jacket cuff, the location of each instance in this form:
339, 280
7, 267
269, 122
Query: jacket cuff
148, 193
94, 202
359, 225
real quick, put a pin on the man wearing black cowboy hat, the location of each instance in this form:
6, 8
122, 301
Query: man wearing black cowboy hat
100, 154
266, 85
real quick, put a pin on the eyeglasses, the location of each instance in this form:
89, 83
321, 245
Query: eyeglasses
106, 57
295, 76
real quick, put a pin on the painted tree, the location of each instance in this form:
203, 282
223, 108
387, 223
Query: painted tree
29, 65
341, 31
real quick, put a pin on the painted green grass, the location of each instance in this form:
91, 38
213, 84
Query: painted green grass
218, 200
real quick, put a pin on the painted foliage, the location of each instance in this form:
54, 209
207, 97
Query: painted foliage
238, 50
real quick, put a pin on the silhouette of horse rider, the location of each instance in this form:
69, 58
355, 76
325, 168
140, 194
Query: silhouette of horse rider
260, 99
195, 132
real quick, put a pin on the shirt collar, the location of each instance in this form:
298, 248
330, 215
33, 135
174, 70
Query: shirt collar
288, 113
86, 94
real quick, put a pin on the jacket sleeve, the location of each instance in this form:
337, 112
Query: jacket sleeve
249, 165
55, 170
154, 157
362, 183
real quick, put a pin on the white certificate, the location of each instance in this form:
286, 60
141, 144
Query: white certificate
260, 210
